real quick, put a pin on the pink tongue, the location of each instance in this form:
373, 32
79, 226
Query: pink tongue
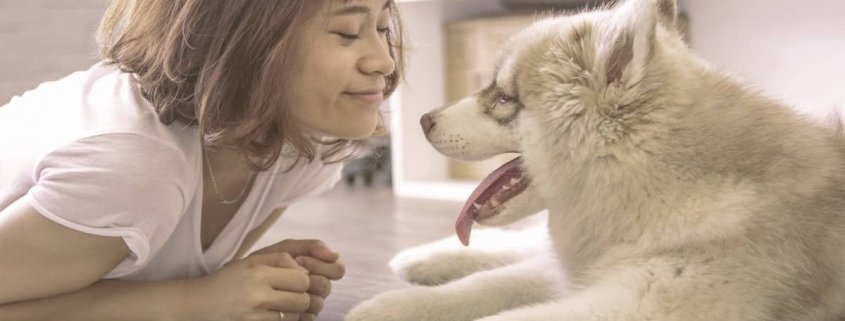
463, 225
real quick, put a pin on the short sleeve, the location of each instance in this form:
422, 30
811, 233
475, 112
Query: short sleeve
117, 185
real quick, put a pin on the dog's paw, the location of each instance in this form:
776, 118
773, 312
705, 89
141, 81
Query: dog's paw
434, 266
410, 304
447, 260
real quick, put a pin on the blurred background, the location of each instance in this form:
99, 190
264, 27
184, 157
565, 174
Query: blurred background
403, 193
790, 49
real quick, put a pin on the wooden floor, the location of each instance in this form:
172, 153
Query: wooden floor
367, 226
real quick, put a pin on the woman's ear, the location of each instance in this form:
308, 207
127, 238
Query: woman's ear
626, 43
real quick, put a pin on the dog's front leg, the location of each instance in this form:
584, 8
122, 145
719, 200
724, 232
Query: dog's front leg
447, 260
482, 294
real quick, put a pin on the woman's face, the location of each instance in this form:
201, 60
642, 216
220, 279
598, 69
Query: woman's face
339, 68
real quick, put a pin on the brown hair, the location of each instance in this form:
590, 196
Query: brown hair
218, 64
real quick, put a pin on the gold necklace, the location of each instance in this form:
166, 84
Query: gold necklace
217, 189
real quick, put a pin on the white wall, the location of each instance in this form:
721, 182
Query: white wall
793, 50
44, 40
414, 160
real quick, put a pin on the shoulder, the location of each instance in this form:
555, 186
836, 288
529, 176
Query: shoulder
116, 171
100, 100
115, 182
119, 152
94, 117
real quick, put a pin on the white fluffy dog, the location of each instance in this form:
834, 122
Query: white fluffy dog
673, 191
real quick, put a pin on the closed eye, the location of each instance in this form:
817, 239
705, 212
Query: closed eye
348, 36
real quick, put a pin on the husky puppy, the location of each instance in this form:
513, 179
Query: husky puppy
674, 192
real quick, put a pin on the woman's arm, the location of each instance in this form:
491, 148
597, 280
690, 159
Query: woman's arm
50, 272
41, 258
109, 300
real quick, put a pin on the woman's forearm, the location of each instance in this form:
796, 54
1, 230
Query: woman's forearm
110, 300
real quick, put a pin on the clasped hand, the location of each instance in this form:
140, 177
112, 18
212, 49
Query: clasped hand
292, 277
323, 266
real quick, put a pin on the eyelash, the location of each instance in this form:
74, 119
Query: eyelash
348, 36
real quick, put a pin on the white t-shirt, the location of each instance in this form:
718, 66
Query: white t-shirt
89, 152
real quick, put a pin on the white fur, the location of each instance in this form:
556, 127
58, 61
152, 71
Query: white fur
674, 192
484, 141
491, 248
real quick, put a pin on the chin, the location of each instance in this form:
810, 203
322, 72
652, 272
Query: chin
355, 133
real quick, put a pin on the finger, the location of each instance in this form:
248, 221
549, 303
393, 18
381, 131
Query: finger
290, 302
268, 315
332, 270
316, 304
283, 279
307, 317
314, 248
292, 317
319, 285
276, 259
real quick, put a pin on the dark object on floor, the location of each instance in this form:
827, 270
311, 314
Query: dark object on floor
373, 167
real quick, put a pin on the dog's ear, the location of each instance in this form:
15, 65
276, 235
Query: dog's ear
626, 45
667, 13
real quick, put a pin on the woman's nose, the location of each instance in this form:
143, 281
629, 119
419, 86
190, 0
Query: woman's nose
378, 61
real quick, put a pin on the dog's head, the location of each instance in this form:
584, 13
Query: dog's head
568, 89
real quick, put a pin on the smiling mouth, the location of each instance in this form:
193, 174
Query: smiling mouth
370, 97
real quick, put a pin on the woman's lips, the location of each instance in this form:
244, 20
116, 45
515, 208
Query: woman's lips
370, 98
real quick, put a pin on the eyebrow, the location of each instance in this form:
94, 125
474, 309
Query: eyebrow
358, 9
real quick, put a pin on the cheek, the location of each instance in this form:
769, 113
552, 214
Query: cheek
312, 91
322, 87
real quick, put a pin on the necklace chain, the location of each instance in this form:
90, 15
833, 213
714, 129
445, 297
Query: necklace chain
217, 189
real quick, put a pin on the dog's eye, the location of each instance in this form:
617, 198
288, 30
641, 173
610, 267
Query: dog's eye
505, 99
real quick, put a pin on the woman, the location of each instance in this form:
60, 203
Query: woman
131, 191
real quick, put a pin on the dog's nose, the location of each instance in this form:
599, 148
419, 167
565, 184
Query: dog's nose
427, 123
